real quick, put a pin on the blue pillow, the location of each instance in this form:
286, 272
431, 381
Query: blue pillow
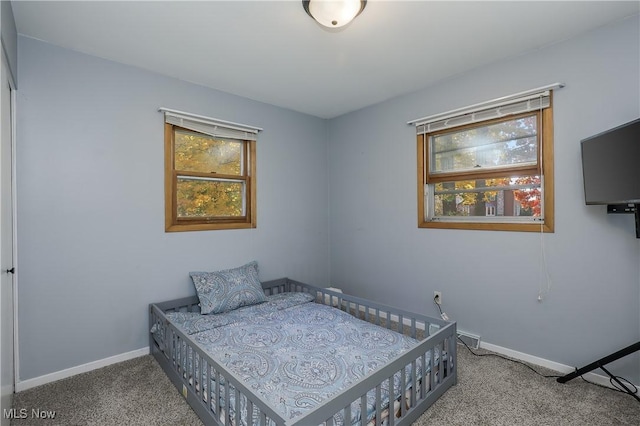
226, 290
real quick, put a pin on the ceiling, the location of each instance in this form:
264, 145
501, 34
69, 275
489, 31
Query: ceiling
273, 52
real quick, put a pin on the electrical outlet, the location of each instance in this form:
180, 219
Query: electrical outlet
437, 297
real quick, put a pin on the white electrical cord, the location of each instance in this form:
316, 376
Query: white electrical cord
543, 273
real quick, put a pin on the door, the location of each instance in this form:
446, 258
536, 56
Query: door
6, 248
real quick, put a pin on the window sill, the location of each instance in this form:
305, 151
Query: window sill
517, 227
207, 226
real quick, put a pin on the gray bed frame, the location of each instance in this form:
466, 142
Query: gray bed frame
185, 366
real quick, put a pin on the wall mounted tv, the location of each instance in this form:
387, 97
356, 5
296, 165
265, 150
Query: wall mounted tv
611, 169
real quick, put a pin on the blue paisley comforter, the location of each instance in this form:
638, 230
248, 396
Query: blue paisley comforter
296, 355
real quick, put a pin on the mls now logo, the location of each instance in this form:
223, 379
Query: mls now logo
14, 413
23, 413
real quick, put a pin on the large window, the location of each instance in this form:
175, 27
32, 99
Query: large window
488, 169
209, 175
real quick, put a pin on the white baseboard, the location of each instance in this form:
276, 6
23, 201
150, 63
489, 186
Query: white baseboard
551, 365
22, 385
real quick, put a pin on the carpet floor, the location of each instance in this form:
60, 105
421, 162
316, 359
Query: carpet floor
490, 391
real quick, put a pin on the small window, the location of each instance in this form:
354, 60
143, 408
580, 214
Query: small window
489, 169
209, 175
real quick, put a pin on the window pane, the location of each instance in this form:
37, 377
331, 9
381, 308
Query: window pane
504, 144
199, 198
196, 152
517, 196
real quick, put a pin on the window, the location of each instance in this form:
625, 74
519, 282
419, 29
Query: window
210, 169
488, 167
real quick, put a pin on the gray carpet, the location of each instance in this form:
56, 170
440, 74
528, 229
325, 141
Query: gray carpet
490, 391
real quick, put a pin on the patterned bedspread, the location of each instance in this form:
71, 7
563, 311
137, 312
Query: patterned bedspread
294, 354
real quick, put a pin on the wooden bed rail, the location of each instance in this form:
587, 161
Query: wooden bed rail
423, 373
182, 359
385, 316
436, 334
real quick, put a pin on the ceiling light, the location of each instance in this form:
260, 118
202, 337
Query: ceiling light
333, 13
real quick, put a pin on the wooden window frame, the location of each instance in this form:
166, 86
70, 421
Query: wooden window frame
175, 224
544, 167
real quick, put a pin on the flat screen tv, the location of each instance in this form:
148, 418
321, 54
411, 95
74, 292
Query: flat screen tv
611, 165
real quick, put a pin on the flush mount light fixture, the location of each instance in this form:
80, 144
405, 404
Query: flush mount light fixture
333, 13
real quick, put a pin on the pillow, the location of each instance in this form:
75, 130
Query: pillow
226, 290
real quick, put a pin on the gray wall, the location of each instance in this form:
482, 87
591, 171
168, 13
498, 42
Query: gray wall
93, 252
490, 280
90, 174
9, 38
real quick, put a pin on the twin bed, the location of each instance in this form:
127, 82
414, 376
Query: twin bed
304, 356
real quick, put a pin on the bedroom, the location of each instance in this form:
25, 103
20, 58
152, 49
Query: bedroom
90, 201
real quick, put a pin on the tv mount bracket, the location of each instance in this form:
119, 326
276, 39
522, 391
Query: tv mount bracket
628, 208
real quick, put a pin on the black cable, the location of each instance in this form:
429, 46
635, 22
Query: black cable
508, 359
614, 385
614, 388
438, 305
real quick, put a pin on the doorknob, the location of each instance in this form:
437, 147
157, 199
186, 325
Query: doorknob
11, 271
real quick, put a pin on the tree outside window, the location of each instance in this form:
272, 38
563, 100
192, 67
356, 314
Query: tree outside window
495, 174
209, 181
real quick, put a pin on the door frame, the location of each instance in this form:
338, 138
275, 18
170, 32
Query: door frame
14, 243
14, 218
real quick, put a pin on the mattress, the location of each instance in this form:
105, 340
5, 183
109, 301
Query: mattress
296, 354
